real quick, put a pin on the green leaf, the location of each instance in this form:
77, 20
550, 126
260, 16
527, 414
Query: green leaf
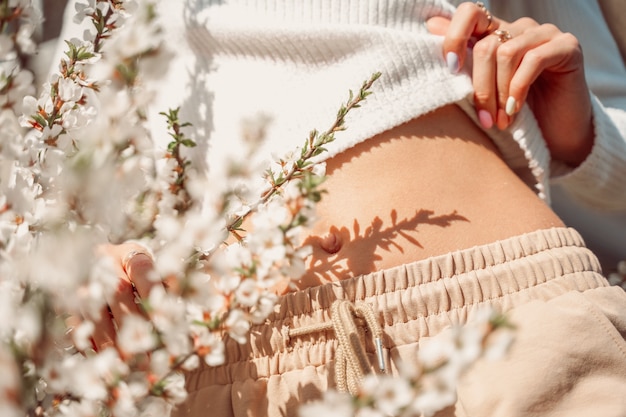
71, 53
84, 55
39, 119
319, 151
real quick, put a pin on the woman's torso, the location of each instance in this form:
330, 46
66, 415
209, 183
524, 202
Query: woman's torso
433, 185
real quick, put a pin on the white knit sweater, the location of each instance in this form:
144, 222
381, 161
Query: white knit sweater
295, 61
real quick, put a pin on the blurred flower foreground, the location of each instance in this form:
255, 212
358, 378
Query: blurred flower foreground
79, 171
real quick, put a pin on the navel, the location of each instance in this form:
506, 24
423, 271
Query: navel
331, 243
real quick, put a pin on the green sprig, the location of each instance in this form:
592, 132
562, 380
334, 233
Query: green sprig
174, 151
314, 145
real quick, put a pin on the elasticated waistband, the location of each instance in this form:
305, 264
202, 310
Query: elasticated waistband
415, 300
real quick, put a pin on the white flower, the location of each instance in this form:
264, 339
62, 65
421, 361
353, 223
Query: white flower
125, 403
137, 36
238, 326
25, 39
498, 344
81, 335
296, 267
175, 391
166, 310
469, 343
49, 133
192, 362
108, 364
84, 408
155, 407
136, 335
86, 380
429, 401
332, 404
78, 117
69, 91
270, 216
84, 10
435, 351
20, 192
104, 7
263, 307
390, 394
234, 256
210, 347
101, 286
29, 105
28, 326
247, 293
160, 361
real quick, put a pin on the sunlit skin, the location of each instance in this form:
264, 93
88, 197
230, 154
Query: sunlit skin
431, 186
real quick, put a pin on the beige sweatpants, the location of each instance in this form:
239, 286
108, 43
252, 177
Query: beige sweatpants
568, 358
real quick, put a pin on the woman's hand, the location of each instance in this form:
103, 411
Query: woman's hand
538, 64
134, 266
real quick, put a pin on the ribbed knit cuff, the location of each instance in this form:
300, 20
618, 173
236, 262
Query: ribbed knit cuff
528, 136
600, 180
522, 148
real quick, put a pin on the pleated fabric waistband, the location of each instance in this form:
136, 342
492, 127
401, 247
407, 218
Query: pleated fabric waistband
414, 300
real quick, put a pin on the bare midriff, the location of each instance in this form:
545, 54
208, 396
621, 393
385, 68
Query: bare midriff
431, 186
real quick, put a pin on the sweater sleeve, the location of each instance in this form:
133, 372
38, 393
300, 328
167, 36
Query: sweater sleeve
599, 182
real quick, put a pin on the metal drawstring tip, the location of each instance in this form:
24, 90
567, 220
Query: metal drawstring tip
379, 353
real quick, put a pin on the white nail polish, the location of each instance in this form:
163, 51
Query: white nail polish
510, 106
452, 60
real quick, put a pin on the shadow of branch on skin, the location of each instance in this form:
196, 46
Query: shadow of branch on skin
354, 251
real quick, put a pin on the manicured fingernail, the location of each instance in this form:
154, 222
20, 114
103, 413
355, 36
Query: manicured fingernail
510, 105
485, 119
452, 59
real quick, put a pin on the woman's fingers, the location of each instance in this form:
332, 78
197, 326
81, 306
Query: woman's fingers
125, 301
104, 335
537, 64
484, 75
560, 55
469, 21
139, 268
507, 63
134, 267
134, 264
438, 25
518, 54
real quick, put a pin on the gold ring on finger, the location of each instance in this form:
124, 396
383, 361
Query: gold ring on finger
503, 35
488, 15
130, 255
